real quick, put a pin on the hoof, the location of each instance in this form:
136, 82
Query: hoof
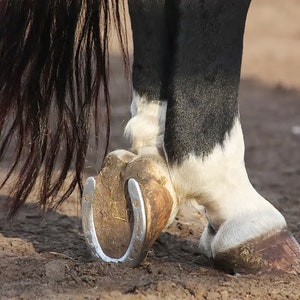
277, 253
126, 207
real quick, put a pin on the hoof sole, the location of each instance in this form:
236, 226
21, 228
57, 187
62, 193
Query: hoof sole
125, 208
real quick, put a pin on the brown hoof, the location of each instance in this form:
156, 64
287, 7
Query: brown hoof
126, 207
277, 253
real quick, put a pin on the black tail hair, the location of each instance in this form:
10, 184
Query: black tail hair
53, 64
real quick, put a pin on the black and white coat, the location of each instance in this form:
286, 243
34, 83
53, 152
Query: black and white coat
186, 73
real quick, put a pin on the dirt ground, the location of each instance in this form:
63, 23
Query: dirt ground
46, 258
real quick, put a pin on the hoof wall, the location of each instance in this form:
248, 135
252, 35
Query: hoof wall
277, 253
125, 208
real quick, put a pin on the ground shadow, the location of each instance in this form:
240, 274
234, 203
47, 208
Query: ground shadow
56, 233
52, 232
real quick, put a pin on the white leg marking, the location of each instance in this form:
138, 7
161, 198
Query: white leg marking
146, 130
220, 182
146, 127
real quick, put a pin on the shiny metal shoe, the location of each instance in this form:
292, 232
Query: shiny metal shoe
126, 207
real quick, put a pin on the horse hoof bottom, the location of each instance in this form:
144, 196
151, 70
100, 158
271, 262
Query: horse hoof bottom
126, 207
277, 253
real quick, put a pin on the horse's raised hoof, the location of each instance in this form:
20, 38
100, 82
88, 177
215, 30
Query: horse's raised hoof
126, 207
276, 253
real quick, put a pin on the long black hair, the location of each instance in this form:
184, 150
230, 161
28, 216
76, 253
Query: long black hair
53, 65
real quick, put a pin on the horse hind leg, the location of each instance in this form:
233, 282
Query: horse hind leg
108, 196
145, 129
205, 147
152, 53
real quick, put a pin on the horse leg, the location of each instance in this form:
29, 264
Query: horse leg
132, 199
146, 127
205, 147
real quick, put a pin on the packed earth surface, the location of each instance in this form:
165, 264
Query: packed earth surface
45, 256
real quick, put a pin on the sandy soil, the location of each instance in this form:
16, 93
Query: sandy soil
46, 258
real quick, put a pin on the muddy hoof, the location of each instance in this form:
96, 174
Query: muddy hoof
126, 207
277, 253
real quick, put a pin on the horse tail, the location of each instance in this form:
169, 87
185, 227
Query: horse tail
53, 68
